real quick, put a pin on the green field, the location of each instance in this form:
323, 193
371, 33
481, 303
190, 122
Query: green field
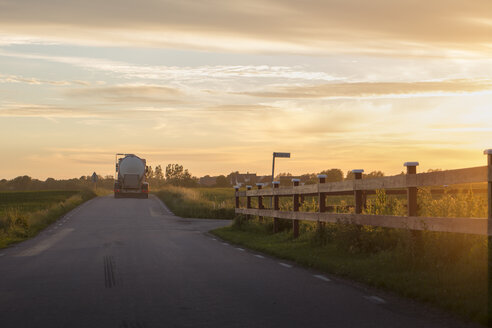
23, 214
28, 201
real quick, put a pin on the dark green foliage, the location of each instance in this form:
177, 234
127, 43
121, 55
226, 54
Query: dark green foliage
333, 175
222, 182
26, 183
176, 175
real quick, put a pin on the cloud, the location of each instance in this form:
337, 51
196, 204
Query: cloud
184, 74
131, 94
233, 108
382, 26
45, 111
19, 79
369, 89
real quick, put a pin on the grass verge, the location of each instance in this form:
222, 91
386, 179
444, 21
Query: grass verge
216, 203
24, 214
438, 272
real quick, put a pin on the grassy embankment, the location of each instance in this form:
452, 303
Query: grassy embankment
443, 269
25, 213
217, 203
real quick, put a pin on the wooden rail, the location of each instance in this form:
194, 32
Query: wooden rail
400, 184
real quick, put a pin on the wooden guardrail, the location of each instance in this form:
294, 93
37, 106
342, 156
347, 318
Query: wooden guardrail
408, 183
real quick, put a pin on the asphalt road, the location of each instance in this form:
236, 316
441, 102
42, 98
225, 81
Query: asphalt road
131, 263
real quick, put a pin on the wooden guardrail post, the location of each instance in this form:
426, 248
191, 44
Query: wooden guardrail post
488, 152
411, 191
321, 198
276, 205
236, 189
359, 202
295, 223
248, 202
260, 201
412, 202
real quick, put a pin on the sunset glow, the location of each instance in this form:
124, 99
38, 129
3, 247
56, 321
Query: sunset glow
218, 86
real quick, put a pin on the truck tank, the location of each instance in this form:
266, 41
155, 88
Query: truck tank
131, 171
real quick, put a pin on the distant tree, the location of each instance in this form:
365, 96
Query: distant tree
21, 183
178, 176
50, 183
349, 176
333, 175
222, 181
187, 180
158, 174
283, 174
149, 174
309, 178
374, 174
173, 172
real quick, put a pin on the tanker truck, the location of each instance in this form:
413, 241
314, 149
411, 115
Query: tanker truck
130, 177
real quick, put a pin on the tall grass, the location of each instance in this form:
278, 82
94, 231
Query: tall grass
24, 214
216, 203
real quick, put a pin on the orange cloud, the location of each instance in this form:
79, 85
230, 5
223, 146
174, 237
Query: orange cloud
382, 26
367, 89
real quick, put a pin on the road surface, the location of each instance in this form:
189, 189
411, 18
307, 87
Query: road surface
131, 263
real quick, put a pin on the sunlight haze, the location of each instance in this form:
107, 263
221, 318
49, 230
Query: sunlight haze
217, 86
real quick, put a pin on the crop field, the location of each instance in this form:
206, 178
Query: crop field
29, 201
23, 214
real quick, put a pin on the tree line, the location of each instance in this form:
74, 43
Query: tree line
173, 174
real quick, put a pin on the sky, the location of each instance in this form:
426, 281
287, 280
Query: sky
217, 86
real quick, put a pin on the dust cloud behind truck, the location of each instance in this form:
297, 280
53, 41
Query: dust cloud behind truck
130, 177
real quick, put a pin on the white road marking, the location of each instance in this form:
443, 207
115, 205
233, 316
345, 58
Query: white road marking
375, 299
225, 244
240, 249
321, 277
285, 265
2, 254
259, 256
214, 239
